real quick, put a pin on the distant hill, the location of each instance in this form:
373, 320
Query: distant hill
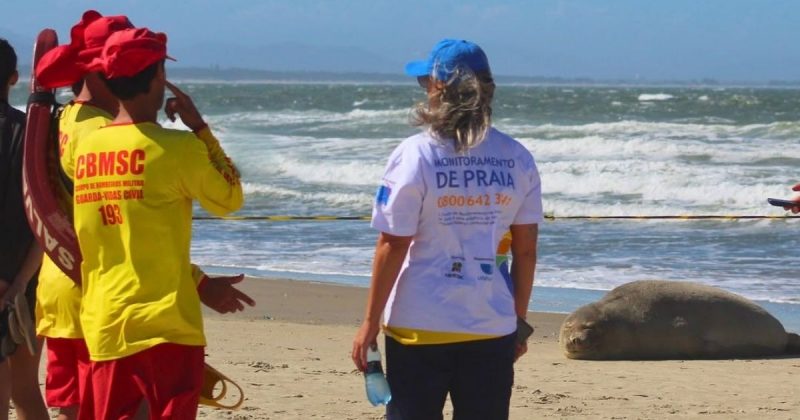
242, 74
310, 63
286, 57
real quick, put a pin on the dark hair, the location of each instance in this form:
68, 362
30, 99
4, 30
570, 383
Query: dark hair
77, 87
126, 88
8, 61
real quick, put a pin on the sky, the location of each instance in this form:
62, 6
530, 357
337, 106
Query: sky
726, 40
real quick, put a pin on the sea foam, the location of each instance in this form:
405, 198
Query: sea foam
644, 97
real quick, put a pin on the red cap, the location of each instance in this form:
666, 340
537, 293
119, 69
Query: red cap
128, 52
76, 33
59, 67
66, 64
96, 33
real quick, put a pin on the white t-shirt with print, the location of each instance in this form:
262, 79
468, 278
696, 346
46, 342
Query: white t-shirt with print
457, 207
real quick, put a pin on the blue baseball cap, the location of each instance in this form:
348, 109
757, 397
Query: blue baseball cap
447, 55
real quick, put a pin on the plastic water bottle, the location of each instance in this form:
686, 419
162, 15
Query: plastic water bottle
377, 388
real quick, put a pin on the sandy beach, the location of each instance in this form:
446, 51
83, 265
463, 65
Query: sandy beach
291, 356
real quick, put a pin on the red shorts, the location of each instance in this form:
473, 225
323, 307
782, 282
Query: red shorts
67, 369
169, 376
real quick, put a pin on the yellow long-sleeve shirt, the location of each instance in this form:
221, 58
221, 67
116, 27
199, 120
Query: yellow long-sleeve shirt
134, 186
58, 298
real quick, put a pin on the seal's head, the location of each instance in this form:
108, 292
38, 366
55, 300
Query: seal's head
589, 333
578, 332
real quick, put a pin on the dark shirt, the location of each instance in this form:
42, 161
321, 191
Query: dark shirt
15, 234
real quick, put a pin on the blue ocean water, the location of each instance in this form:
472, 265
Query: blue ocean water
320, 148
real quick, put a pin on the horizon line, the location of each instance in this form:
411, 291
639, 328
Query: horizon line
339, 76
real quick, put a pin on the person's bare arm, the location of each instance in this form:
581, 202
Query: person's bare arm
33, 259
524, 239
390, 252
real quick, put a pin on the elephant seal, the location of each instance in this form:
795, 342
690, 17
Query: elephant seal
654, 319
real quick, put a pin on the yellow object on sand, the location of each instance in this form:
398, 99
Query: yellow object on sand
212, 378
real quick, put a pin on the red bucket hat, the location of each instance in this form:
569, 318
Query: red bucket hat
76, 33
96, 33
128, 52
67, 64
59, 67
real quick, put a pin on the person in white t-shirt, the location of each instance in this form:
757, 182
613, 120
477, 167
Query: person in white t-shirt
453, 200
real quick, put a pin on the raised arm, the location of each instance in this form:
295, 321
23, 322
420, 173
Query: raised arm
211, 177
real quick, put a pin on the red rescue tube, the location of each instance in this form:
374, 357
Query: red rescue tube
42, 185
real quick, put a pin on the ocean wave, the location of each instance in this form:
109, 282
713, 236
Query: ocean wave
655, 188
355, 172
739, 152
314, 163
320, 199
652, 141
706, 120
663, 129
606, 279
265, 119
595, 147
645, 97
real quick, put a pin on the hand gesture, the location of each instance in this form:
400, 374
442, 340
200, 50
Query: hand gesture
183, 106
219, 294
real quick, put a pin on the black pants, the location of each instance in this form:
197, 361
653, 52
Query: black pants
477, 374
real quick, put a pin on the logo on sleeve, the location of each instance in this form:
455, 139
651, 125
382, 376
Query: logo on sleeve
382, 196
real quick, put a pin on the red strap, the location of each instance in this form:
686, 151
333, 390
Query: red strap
202, 283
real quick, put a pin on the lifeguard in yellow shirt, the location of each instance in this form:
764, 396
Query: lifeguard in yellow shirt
134, 183
59, 298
